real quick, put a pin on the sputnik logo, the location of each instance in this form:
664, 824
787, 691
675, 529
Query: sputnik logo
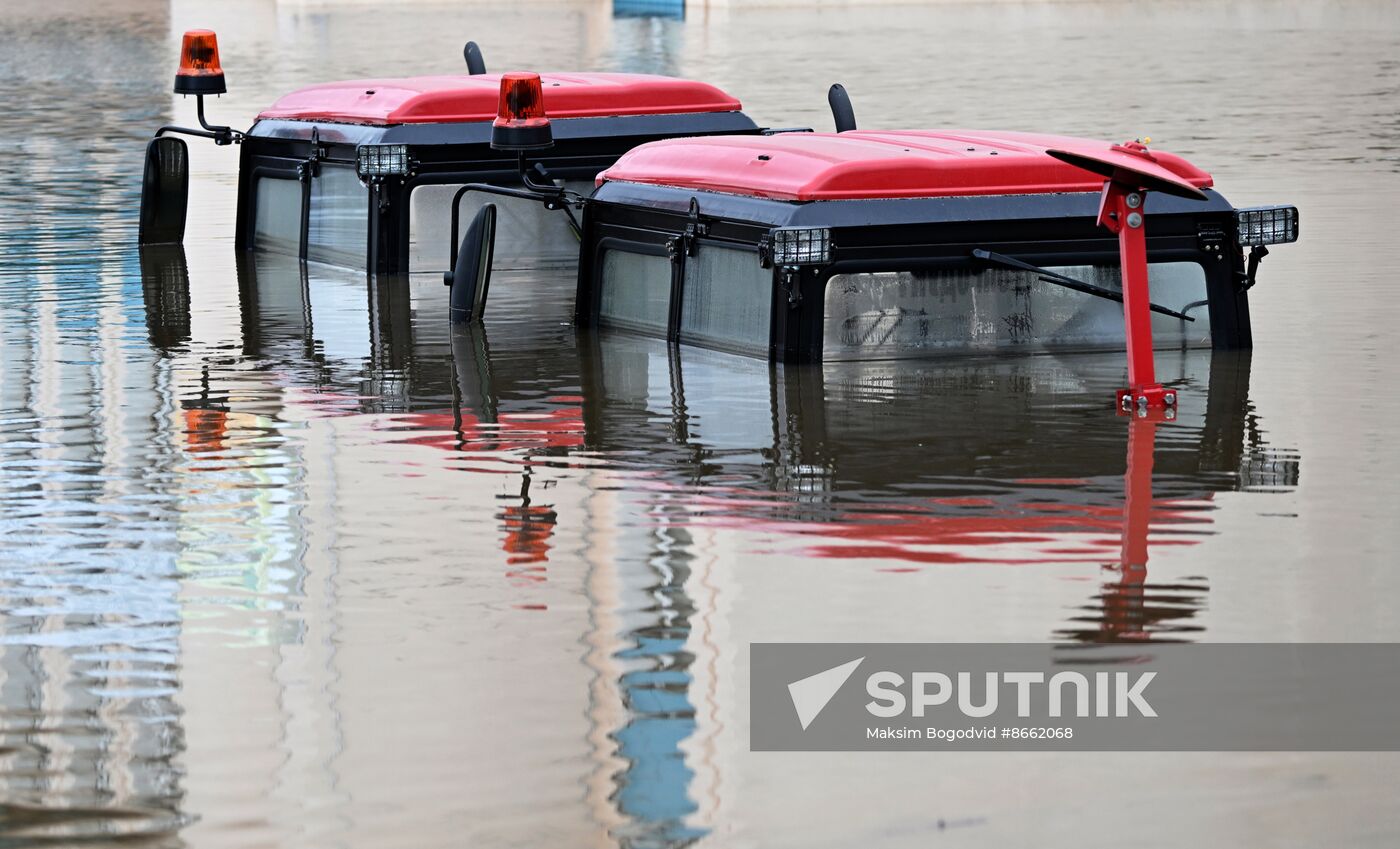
810, 695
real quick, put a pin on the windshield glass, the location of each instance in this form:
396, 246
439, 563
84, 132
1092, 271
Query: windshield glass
919, 313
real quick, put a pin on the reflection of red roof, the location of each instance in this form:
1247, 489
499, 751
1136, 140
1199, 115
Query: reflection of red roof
561, 427
463, 98
873, 164
1022, 528
1053, 533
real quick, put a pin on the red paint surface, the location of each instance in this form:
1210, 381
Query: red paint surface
1130, 164
464, 98
1114, 214
871, 164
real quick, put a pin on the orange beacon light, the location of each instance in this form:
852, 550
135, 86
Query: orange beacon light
520, 120
200, 72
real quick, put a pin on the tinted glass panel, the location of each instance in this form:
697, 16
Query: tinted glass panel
339, 223
277, 217
727, 299
636, 291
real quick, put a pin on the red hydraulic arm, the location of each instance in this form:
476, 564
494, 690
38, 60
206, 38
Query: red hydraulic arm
1131, 170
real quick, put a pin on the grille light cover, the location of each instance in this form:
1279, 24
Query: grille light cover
1267, 225
379, 159
801, 246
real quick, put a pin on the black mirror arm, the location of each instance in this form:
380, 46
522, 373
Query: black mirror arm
220, 138
485, 188
552, 196
220, 135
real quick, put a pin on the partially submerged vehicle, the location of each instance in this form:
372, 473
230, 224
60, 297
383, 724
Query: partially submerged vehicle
369, 173
772, 448
877, 244
704, 229
870, 245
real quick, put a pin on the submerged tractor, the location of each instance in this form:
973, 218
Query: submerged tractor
689, 222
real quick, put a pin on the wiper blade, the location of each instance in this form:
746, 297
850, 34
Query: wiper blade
1068, 282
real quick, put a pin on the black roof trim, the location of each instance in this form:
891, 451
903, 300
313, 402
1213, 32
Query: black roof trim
479, 132
892, 211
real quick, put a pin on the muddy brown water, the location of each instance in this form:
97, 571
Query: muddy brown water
283, 562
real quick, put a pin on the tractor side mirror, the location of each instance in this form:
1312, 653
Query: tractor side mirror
471, 276
165, 191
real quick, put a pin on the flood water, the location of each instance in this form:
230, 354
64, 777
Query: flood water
284, 562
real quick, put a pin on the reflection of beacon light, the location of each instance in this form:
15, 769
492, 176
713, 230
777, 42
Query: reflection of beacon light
520, 120
1266, 225
200, 71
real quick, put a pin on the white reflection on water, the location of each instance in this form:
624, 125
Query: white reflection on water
285, 562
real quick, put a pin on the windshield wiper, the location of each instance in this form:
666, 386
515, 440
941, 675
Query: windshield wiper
1068, 282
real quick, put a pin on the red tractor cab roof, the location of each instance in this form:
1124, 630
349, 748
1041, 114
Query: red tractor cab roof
875, 164
469, 98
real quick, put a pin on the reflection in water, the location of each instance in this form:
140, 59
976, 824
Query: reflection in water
905, 466
528, 527
90, 725
287, 562
653, 791
648, 36
1018, 463
1129, 607
165, 290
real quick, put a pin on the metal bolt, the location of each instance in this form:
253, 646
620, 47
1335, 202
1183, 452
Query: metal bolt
1134, 200
1134, 220
1170, 398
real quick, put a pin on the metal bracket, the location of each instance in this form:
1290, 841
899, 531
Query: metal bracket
765, 251
310, 167
1212, 240
789, 281
220, 134
694, 229
1256, 256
